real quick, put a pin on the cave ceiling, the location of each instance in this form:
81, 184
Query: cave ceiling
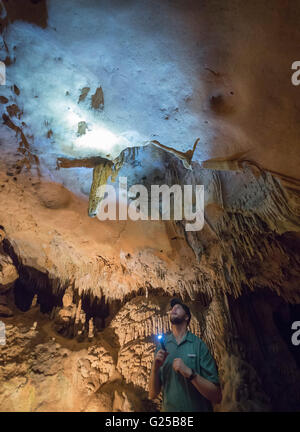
175, 92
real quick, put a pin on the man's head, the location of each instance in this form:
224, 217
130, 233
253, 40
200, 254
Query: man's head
179, 312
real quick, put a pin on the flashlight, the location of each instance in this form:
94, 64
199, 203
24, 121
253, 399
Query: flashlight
161, 341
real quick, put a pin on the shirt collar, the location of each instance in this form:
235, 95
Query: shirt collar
187, 337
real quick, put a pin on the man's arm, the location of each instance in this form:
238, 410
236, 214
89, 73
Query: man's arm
208, 389
208, 377
154, 382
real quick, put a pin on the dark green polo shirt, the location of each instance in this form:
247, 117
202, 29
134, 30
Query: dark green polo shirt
178, 393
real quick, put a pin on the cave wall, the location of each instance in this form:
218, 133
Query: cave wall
82, 300
240, 270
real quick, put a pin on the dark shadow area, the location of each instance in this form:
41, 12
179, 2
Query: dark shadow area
32, 282
263, 323
96, 309
32, 11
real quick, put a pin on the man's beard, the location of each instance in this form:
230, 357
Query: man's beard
177, 320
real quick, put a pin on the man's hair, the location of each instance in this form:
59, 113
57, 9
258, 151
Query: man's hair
175, 301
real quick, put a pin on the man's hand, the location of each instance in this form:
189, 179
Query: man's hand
160, 358
179, 366
208, 389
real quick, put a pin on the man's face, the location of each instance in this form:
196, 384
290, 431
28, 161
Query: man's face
177, 314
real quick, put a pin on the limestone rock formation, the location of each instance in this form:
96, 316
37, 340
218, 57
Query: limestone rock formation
81, 300
8, 272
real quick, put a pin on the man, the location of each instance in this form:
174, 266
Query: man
186, 371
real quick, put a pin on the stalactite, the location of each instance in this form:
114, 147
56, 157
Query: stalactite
91, 328
78, 311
